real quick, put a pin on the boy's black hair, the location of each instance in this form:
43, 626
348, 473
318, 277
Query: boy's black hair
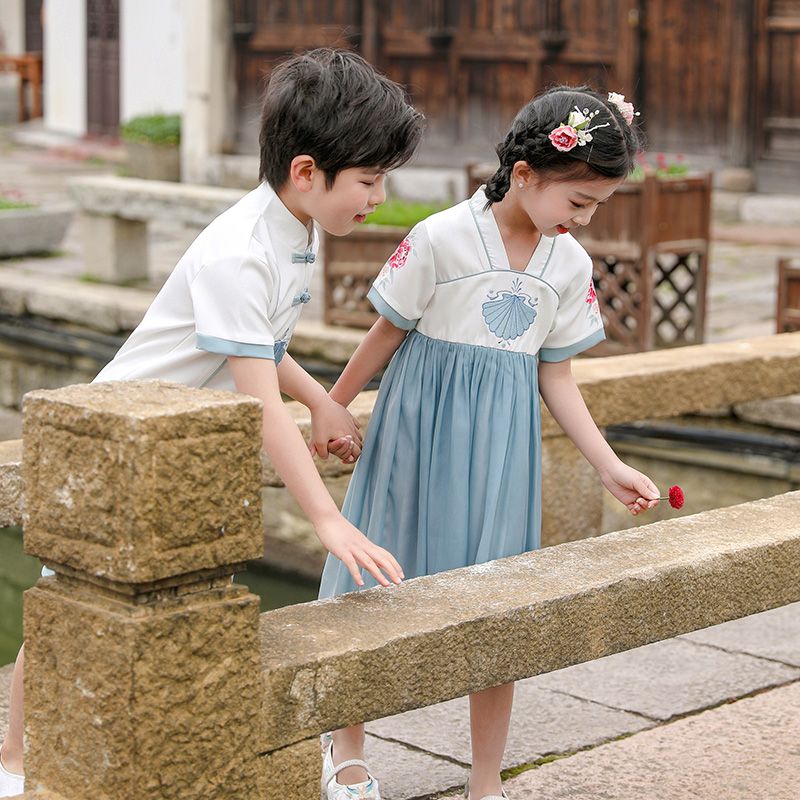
610, 154
334, 106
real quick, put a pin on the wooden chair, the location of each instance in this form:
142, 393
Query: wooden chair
787, 315
29, 68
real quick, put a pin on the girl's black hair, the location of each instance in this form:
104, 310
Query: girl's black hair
610, 154
334, 106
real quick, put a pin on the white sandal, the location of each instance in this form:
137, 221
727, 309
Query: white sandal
11, 784
503, 796
333, 790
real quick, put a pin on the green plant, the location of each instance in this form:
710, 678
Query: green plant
402, 213
664, 169
161, 129
6, 204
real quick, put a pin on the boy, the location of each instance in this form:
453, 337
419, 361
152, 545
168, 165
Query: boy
331, 127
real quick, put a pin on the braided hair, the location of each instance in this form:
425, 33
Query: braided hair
610, 154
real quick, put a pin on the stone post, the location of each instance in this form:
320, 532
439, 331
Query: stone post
142, 675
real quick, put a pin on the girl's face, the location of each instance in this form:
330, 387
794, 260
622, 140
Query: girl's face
555, 207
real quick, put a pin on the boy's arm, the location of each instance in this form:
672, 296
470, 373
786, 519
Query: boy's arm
565, 403
329, 420
374, 352
285, 446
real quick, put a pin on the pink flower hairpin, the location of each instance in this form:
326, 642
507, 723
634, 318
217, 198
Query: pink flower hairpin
625, 108
576, 131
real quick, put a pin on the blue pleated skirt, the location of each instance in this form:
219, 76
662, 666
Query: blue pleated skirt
450, 474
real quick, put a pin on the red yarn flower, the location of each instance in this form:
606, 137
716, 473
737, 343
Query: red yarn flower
676, 496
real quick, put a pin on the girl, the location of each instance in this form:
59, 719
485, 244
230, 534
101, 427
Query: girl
498, 297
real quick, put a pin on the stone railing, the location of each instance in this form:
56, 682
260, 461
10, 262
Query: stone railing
619, 389
148, 673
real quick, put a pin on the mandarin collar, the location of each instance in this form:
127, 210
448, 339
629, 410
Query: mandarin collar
285, 226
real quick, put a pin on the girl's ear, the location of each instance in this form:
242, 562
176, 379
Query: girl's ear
302, 171
521, 173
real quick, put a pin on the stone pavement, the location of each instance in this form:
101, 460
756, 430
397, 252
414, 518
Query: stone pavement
712, 714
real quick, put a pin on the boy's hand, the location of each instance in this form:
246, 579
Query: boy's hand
631, 487
330, 421
348, 544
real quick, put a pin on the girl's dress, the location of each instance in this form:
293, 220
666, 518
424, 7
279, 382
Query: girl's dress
450, 474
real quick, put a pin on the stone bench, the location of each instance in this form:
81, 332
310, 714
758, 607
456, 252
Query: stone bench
115, 213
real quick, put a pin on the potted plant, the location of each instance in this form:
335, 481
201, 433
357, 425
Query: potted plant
27, 229
153, 144
352, 262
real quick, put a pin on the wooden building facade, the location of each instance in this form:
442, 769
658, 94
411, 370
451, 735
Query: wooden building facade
718, 79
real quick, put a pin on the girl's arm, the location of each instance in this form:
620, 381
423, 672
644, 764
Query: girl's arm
374, 352
329, 420
284, 445
565, 403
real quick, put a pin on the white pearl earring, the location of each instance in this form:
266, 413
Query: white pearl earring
520, 185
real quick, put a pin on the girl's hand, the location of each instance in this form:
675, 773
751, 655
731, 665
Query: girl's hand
346, 449
330, 421
348, 544
631, 487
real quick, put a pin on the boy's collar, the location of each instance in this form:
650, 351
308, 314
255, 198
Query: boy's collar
299, 237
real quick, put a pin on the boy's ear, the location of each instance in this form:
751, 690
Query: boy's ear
302, 171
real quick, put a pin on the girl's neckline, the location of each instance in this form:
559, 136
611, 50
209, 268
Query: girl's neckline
495, 246
505, 249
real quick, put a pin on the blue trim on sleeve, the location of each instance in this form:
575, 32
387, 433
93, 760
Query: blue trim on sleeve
553, 354
226, 347
385, 310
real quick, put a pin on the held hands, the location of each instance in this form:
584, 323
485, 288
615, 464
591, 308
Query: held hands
354, 550
632, 488
334, 430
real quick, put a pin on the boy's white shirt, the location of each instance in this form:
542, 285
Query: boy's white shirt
237, 291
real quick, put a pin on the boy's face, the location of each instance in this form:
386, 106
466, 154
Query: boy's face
356, 192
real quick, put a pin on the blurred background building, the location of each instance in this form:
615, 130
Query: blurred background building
716, 80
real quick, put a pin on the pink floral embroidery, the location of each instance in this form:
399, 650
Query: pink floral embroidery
398, 259
564, 138
591, 297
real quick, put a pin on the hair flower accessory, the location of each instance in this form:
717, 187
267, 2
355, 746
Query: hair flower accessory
626, 109
576, 131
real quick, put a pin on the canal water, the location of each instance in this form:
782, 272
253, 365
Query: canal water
19, 572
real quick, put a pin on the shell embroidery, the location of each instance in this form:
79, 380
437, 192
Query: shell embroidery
508, 314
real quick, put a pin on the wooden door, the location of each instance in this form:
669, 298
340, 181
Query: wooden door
471, 65
102, 64
268, 31
33, 26
696, 68
778, 93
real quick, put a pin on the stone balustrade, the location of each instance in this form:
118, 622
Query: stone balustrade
148, 673
657, 384
115, 212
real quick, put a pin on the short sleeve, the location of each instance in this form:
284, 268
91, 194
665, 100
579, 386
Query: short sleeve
578, 324
406, 283
231, 300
